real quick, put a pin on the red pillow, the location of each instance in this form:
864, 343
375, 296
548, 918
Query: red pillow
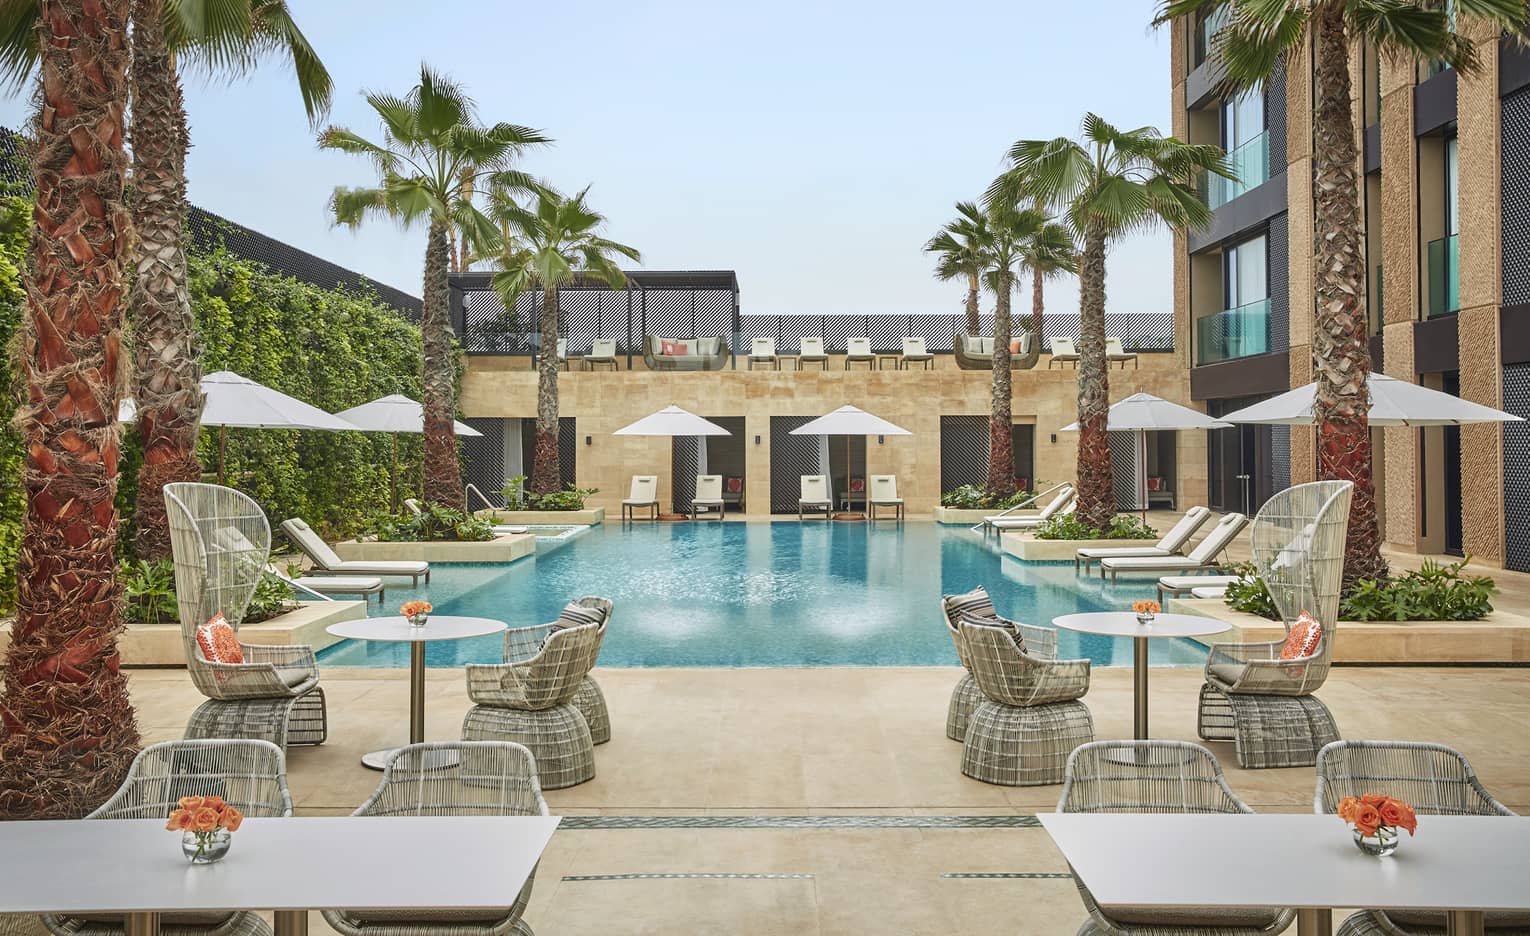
734, 485
1303, 639
1014, 346
218, 642
675, 347
857, 485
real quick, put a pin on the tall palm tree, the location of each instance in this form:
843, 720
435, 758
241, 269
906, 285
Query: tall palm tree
1257, 36
543, 248
69, 730
1010, 230
218, 37
432, 155
1111, 183
958, 249
1048, 254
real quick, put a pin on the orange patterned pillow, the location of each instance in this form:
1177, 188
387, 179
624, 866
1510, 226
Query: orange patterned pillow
1014, 345
218, 642
1303, 639
679, 348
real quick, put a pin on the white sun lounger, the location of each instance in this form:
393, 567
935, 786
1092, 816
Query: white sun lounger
1172, 544
1063, 352
1209, 591
325, 560
644, 494
708, 496
884, 493
322, 586
1064, 503
1172, 585
1206, 555
815, 496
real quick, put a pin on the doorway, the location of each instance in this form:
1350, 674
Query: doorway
1240, 469
1455, 544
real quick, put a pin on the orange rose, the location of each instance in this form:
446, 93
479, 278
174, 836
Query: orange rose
192, 803
216, 802
1391, 812
1373, 799
1346, 809
204, 820
1409, 818
179, 821
1367, 819
231, 819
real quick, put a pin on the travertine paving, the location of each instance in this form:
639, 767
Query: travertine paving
842, 743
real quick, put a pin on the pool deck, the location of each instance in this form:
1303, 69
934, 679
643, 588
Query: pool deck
861, 751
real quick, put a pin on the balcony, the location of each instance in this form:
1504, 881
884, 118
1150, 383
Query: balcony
1250, 164
1234, 333
1445, 276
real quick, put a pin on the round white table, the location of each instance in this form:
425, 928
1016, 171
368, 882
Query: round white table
1124, 624
398, 630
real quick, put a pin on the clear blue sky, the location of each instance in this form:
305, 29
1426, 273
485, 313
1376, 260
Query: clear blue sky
813, 147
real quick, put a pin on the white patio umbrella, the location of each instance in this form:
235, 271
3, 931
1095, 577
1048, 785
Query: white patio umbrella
673, 421
1393, 403
232, 401
394, 414
1143, 413
850, 421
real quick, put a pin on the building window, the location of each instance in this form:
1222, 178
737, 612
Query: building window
1445, 253
1246, 140
1242, 328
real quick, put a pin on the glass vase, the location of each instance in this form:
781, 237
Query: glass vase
1380, 845
418, 620
206, 847
1145, 618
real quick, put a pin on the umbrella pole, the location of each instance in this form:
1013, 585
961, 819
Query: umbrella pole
222, 450
393, 477
1142, 456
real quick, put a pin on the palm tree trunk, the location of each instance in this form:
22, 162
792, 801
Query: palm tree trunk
544, 465
1096, 493
69, 730
1001, 452
1032, 354
974, 320
166, 351
1341, 354
443, 476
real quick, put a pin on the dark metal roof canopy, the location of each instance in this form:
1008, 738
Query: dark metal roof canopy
636, 279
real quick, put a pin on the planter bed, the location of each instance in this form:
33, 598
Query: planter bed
506, 548
1501, 637
160, 644
587, 517
1026, 547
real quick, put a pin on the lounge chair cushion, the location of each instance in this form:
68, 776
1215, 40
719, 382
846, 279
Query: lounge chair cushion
1014, 632
1209, 591
294, 676
218, 641
344, 584
974, 604
383, 566
1217, 917
1303, 638
1228, 674
674, 348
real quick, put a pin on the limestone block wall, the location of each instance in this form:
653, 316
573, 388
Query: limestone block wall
602, 402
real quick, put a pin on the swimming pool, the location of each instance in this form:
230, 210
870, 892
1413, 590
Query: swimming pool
765, 594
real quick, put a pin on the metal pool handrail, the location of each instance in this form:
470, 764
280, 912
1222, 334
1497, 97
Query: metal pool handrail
473, 489
985, 525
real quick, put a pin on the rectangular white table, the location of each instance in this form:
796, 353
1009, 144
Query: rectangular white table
290, 866
1463, 865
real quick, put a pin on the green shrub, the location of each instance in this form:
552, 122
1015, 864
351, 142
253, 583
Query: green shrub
15, 228
272, 597
518, 498
973, 497
1435, 592
150, 588
1070, 527
433, 524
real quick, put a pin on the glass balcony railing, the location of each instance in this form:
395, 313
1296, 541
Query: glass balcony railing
1445, 275
1250, 163
1235, 333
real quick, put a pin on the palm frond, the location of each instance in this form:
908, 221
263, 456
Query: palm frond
351, 206
439, 103
18, 42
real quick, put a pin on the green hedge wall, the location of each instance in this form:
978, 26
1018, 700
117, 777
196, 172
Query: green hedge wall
332, 348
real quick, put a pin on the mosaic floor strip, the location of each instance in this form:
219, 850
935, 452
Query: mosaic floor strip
1023, 875
577, 823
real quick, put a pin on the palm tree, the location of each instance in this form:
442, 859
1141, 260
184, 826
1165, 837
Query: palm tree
432, 155
544, 248
958, 248
1258, 35
1010, 230
218, 36
69, 731
1048, 254
1111, 183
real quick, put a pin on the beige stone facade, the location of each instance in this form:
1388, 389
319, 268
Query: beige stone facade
601, 402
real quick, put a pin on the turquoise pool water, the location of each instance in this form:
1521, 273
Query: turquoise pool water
766, 594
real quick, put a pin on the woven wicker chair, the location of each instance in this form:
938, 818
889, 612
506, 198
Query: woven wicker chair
251, 775
530, 700
481, 778
1436, 781
221, 542
1157, 777
1030, 719
1040, 643
589, 700
1261, 703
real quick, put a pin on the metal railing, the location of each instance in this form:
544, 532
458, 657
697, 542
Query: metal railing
986, 525
1233, 333
472, 490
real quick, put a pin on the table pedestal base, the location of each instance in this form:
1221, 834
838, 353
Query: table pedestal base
1314, 922
291, 922
437, 760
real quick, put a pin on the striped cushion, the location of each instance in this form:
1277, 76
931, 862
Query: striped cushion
574, 614
1014, 634
975, 603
